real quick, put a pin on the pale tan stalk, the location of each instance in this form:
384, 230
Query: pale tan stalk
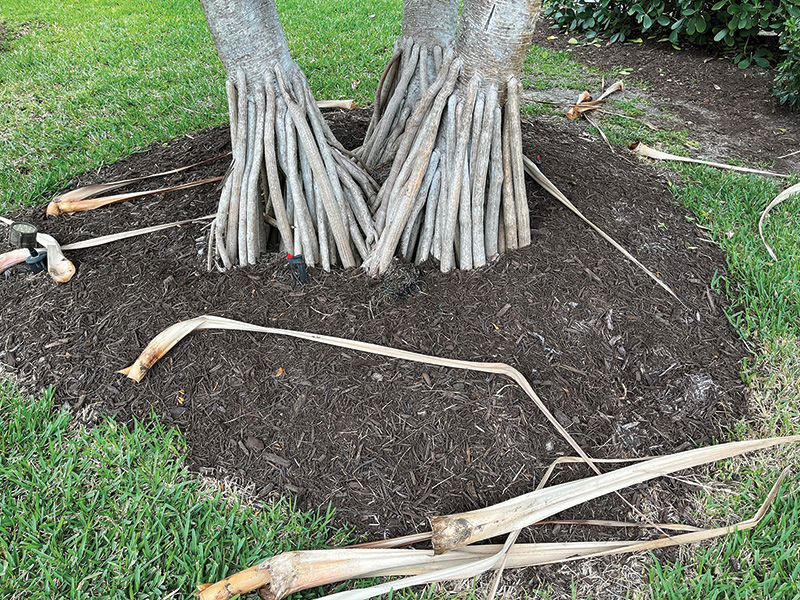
541, 179
784, 195
165, 340
462, 529
517, 170
60, 203
644, 150
295, 571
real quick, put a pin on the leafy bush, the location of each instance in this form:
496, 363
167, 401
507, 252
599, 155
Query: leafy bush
734, 23
787, 83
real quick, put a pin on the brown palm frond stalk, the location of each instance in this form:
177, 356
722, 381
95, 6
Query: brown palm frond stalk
585, 102
294, 571
784, 195
345, 104
97, 188
13, 257
73, 204
459, 530
167, 339
540, 178
648, 152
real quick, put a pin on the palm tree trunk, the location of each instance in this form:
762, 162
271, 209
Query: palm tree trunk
287, 165
464, 134
429, 28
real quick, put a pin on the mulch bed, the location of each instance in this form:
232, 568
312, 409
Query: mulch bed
729, 112
626, 368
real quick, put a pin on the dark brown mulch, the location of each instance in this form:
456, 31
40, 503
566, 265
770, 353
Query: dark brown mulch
729, 111
625, 368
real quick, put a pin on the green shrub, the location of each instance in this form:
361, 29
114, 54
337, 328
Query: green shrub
733, 23
787, 83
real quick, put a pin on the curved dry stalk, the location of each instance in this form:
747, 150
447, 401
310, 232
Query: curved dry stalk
784, 195
12, 258
294, 571
167, 339
541, 179
69, 204
646, 151
88, 191
455, 531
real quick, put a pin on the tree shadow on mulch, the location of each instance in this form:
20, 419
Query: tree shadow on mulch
626, 368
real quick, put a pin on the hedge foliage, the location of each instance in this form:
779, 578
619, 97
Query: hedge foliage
732, 23
787, 83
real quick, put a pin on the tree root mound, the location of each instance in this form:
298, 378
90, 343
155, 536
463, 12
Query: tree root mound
413, 66
457, 171
387, 443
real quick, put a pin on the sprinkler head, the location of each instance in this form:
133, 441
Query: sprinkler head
23, 235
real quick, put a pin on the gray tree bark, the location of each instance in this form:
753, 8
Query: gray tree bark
287, 169
429, 28
464, 134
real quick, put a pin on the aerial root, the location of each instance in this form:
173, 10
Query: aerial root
406, 78
456, 190
289, 170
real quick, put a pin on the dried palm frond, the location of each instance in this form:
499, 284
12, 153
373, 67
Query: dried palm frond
96, 188
62, 205
167, 339
294, 571
784, 195
644, 150
585, 102
540, 178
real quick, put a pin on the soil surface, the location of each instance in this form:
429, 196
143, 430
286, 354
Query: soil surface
625, 368
729, 111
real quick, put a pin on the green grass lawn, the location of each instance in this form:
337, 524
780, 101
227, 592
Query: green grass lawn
110, 511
